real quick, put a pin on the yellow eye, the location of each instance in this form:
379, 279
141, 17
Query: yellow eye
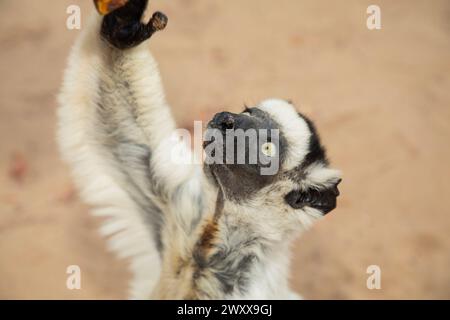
269, 149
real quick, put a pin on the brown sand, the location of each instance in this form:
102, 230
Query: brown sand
381, 100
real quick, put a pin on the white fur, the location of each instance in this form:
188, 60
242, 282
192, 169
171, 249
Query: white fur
129, 237
270, 278
317, 175
294, 128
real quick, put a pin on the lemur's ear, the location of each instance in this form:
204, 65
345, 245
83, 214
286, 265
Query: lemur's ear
320, 199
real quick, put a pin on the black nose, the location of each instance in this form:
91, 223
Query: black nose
223, 121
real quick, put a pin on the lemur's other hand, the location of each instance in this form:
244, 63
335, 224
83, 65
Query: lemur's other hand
123, 28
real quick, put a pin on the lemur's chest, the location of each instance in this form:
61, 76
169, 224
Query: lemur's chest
223, 261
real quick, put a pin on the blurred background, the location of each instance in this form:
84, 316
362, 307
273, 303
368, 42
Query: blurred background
381, 100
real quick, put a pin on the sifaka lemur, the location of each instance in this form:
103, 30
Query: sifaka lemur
211, 231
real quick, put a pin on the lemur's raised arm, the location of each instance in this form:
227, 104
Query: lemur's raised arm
115, 130
217, 233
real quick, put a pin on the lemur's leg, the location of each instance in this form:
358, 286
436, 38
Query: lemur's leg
114, 130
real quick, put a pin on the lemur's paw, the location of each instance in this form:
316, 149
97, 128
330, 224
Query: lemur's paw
123, 28
159, 21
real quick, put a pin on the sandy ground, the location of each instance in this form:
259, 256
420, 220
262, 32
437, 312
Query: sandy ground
381, 100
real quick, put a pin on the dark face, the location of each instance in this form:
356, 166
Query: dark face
244, 151
277, 134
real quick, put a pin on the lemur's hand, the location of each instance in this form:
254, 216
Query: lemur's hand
123, 28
